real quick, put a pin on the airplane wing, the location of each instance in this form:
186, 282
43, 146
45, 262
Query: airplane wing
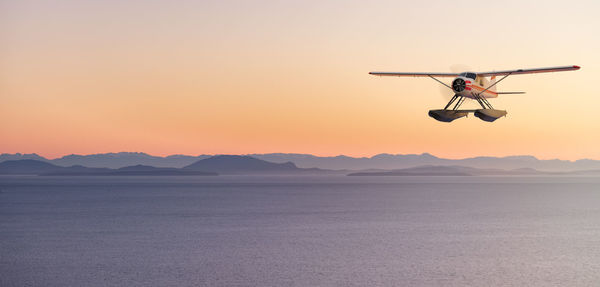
394, 74
529, 71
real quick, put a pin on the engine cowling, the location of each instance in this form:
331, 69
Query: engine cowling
459, 85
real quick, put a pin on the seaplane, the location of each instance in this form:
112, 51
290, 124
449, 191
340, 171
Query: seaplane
475, 86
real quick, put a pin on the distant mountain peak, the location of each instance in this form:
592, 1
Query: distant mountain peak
138, 167
426, 154
20, 156
240, 164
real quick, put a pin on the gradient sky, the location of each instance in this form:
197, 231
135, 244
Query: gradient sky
208, 77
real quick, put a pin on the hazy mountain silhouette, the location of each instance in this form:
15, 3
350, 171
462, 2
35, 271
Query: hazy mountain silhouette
430, 170
230, 164
20, 156
389, 161
123, 159
27, 166
236, 164
380, 161
35, 167
150, 170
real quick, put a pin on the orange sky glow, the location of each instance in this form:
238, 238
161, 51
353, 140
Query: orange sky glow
238, 77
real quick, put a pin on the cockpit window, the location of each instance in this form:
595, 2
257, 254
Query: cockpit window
471, 75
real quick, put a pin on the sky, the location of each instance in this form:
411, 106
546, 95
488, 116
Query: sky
239, 77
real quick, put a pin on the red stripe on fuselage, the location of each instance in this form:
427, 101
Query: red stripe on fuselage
481, 89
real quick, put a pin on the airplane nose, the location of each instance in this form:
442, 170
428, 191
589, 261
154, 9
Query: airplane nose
459, 85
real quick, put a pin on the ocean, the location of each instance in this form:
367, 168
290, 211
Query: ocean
299, 231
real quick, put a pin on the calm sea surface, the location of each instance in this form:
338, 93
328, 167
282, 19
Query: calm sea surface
299, 231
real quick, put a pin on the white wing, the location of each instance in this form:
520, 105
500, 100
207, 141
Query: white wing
483, 74
394, 74
529, 71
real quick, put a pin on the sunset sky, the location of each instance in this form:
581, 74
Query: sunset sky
237, 77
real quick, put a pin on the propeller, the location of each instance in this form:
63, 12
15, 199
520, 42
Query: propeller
446, 93
459, 85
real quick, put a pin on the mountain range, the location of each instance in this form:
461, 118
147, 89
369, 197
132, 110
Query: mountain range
380, 161
432, 170
221, 164
247, 165
36, 167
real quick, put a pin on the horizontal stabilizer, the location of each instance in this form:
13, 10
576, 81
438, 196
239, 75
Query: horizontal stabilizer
509, 93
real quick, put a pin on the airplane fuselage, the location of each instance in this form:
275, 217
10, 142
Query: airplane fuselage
470, 84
